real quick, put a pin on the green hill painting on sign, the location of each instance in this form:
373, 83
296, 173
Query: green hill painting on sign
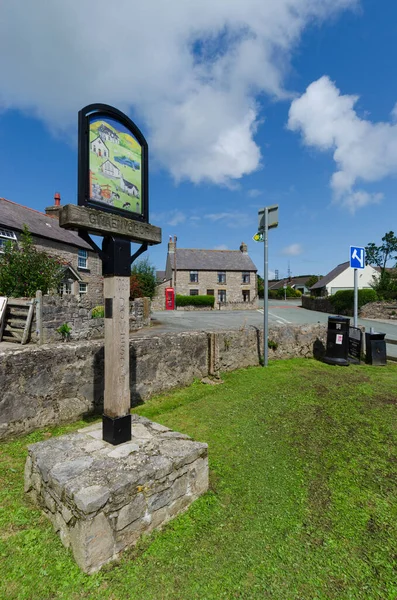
115, 164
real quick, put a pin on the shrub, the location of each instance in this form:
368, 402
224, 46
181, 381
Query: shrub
65, 331
98, 312
194, 300
143, 280
291, 293
343, 301
24, 269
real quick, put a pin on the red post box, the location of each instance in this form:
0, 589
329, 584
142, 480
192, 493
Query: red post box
169, 299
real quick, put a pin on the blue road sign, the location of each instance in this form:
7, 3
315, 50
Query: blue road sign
357, 257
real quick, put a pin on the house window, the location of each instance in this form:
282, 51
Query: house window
246, 277
82, 259
210, 292
82, 288
221, 295
246, 295
194, 292
6, 235
65, 289
221, 276
193, 276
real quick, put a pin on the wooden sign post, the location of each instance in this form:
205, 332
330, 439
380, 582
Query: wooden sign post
113, 202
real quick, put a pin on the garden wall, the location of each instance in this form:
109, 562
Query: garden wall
320, 304
52, 384
54, 311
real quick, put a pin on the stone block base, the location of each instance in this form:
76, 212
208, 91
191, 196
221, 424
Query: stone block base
101, 498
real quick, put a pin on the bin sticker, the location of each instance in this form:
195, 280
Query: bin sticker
339, 339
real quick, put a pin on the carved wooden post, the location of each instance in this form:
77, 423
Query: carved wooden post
113, 202
116, 270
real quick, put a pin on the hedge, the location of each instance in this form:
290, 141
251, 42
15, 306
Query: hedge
194, 300
343, 301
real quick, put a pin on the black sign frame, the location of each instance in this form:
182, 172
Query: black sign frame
84, 199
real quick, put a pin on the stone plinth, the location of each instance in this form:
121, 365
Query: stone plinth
101, 498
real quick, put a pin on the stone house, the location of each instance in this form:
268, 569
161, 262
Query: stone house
83, 267
229, 275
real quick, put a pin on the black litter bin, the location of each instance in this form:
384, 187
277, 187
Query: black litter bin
337, 341
375, 348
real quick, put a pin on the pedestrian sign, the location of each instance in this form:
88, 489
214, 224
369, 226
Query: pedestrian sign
357, 257
258, 237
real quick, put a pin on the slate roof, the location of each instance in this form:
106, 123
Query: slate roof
330, 276
160, 276
212, 260
14, 216
275, 285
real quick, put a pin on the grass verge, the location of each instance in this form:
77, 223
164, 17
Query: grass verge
302, 505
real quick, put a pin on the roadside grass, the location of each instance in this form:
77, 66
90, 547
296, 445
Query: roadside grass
302, 501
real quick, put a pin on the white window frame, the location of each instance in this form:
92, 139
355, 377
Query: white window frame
194, 277
246, 277
83, 288
222, 277
6, 235
193, 292
82, 259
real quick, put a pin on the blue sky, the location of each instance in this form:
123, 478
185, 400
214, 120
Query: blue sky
244, 103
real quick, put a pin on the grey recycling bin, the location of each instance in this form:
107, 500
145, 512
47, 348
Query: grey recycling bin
337, 341
375, 348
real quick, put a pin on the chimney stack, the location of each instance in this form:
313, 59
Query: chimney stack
53, 211
172, 245
244, 248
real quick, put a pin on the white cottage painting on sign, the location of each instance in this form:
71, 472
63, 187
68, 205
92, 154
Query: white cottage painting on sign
115, 165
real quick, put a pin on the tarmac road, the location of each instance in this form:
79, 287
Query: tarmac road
281, 313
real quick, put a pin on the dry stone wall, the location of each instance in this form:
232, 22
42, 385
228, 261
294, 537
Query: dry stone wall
56, 383
77, 313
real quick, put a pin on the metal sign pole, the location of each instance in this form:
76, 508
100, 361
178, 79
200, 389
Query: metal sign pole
355, 298
265, 290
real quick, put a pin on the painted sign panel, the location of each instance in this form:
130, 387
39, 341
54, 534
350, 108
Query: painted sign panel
113, 163
357, 257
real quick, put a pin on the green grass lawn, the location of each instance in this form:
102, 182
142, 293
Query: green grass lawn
302, 505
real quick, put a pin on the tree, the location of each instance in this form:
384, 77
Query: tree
311, 281
385, 284
24, 270
261, 285
143, 280
381, 255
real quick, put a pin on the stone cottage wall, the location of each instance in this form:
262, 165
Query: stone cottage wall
92, 275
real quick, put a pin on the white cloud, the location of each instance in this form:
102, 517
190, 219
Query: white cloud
254, 193
172, 217
363, 151
231, 219
189, 72
292, 250
221, 247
